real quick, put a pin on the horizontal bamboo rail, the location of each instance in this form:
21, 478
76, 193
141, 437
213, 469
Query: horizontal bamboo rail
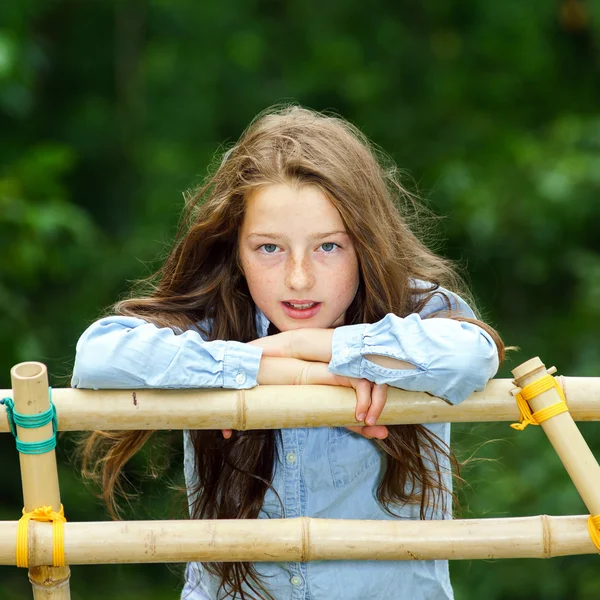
303, 539
275, 407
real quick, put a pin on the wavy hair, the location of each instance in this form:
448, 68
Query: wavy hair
201, 279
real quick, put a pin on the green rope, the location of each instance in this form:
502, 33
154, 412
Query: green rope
32, 422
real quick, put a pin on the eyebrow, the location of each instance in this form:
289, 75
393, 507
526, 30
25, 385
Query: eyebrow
315, 236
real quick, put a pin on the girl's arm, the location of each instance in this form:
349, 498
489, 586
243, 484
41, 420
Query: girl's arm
449, 359
444, 357
127, 352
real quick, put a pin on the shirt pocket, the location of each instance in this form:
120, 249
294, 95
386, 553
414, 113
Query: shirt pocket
350, 456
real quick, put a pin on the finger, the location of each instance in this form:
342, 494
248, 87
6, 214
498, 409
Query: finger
363, 399
379, 432
227, 433
378, 399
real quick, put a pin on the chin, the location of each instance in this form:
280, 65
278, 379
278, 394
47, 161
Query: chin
307, 324
290, 325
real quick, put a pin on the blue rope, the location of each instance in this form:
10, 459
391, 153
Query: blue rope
32, 422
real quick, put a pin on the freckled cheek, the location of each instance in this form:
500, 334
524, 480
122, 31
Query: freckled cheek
345, 280
262, 281
345, 292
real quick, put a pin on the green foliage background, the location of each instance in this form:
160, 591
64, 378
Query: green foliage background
109, 110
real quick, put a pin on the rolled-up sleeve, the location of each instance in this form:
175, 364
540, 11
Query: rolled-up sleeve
451, 359
128, 352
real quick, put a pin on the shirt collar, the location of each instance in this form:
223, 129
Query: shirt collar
262, 323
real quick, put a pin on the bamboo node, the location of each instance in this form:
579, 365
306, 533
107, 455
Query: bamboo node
240, 406
546, 537
41, 578
305, 554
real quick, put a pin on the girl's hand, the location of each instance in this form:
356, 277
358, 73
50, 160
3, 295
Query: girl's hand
304, 344
370, 398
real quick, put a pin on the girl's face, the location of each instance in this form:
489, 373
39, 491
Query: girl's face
298, 260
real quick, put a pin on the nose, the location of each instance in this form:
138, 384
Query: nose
299, 273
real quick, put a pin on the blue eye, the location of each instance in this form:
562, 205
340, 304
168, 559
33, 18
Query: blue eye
328, 246
269, 248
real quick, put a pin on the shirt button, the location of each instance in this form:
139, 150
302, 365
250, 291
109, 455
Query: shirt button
240, 378
295, 580
345, 352
291, 458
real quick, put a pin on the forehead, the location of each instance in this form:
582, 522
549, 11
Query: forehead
283, 207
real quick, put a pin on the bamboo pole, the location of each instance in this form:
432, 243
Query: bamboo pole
274, 407
39, 476
306, 539
564, 436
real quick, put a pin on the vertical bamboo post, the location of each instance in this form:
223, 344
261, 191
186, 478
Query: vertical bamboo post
39, 474
564, 436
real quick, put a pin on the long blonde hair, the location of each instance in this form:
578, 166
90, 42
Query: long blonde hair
201, 280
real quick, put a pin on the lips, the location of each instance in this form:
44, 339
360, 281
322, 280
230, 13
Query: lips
301, 309
300, 301
300, 305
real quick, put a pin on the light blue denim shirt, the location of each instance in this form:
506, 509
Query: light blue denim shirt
324, 472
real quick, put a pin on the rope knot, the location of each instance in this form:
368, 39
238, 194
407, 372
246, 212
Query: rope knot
32, 422
531, 391
43, 514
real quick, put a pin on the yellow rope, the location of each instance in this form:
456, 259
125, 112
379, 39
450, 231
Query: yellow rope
528, 418
45, 514
593, 528
531, 391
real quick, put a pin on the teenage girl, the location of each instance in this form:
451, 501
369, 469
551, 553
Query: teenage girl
295, 264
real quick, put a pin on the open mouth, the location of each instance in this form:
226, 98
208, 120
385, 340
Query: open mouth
304, 306
301, 310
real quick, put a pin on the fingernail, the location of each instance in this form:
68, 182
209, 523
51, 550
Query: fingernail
361, 417
371, 421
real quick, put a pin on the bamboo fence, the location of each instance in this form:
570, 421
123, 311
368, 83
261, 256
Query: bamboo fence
276, 407
563, 434
305, 539
301, 539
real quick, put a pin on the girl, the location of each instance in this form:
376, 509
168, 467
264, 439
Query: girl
294, 265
